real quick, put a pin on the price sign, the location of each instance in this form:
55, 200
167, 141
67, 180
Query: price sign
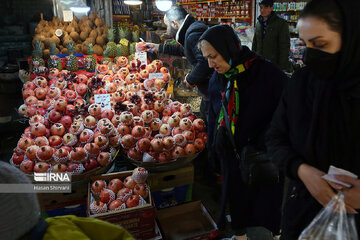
219, 1
68, 15
156, 76
142, 57
103, 100
219, 20
233, 19
199, 19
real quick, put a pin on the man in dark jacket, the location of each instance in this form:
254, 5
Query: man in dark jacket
187, 31
272, 37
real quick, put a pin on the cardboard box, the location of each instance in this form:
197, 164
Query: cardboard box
187, 221
77, 210
169, 179
172, 196
139, 221
78, 195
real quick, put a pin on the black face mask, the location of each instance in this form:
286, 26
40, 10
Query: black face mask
322, 64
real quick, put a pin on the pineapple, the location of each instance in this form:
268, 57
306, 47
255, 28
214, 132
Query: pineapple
54, 61
37, 60
132, 51
71, 60
124, 47
135, 36
121, 33
111, 44
90, 61
106, 60
118, 52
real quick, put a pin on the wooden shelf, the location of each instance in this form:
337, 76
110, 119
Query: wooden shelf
121, 16
200, 2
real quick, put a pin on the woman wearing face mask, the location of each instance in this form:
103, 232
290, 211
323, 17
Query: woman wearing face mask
317, 121
249, 88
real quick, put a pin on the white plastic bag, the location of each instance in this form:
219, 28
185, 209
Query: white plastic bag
332, 223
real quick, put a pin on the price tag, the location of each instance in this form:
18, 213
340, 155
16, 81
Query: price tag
219, 20
142, 57
103, 100
124, 42
156, 76
219, 1
68, 15
199, 19
209, 3
233, 1
209, 19
233, 19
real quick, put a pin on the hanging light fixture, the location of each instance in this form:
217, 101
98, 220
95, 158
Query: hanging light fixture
163, 5
133, 2
80, 7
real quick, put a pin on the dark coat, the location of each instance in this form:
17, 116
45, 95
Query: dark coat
275, 45
260, 89
287, 146
191, 32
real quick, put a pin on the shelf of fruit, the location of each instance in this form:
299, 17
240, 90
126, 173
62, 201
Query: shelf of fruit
70, 132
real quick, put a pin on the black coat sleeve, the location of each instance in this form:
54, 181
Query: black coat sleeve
172, 49
201, 71
279, 146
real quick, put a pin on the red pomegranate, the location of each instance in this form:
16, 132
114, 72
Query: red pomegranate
156, 145
58, 168
115, 185
92, 149
143, 144
38, 129
41, 167
55, 141
45, 153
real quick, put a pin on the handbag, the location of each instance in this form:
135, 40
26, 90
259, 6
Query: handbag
255, 167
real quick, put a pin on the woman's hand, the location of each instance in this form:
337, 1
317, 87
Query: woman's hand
352, 195
316, 185
152, 46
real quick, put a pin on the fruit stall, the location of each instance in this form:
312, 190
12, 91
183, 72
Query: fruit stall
91, 104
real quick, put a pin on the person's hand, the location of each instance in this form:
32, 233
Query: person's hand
352, 195
187, 83
316, 185
153, 46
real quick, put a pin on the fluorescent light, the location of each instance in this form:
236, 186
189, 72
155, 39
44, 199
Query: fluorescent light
133, 2
163, 5
80, 9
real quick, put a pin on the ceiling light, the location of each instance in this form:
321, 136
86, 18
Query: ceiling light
133, 2
80, 9
163, 5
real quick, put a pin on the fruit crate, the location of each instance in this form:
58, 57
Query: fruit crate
139, 221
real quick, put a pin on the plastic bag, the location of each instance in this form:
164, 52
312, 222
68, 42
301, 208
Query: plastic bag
332, 223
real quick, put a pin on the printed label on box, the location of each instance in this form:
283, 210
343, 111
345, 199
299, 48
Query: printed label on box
103, 100
68, 15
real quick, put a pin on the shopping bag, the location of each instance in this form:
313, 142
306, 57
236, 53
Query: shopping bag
332, 223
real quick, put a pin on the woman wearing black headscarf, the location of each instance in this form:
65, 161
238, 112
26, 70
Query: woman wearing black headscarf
249, 87
317, 123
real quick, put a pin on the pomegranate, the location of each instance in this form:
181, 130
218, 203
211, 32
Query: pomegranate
55, 141
61, 155
127, 141
134, 154
168, 142
199, 124
45, 153
86, 136
17, 158
156, 145
57, 129
81, 88
166, 112
116, 205
60, 167
138, 132
76, 128
97, 186
141, 189
98, 207
143, 144
31, 152
199, 144
189, 135
155, 124
103, 159
126, 117
177, 152
92, 149
41, 167
54, 116
133, 200
115, 185
185, 124
90, 164
38, 129
78, 155
174, 121
30, 101
95, 110
107, 113
164, 157
90, 122
69, 139
66, 121
165, 129
36, 119
175, 106
107, 196
190, 149
158, 106
124, 194
114, 140
60, 105
129, 182
180, 140
123, 130
176, 130
116, 120
27, 166
101, 141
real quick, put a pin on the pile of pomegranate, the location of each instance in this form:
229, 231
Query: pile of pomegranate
118, 194
70, 132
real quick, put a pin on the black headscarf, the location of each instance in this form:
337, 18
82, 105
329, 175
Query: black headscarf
333, 134
227, 43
